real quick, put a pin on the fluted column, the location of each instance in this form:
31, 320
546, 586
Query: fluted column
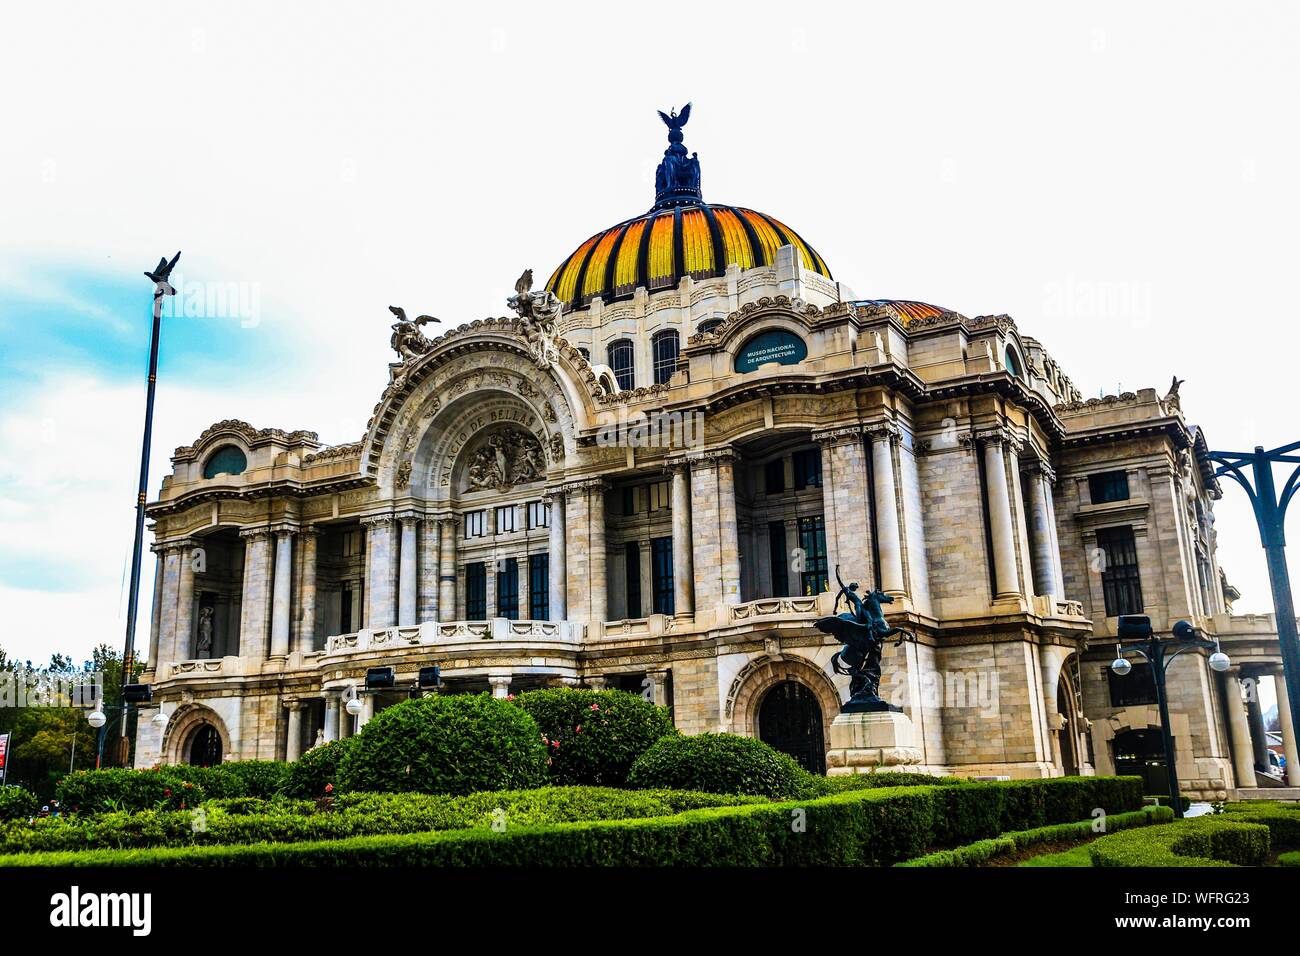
1243, 758
408, 586
170, 562
331, 716
155, 619
683, 562
1001, 525
598, 558
306, 639
1041, 539
1058, 571
430, 529
447, 571
557, 565
255, 605
1287, 727
379, 571
889, 542
293, 742
282, 597
183, 648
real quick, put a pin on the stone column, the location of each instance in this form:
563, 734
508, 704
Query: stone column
293, 745
1287, 727
889, 540
556, 547
500, 685
306, 638
683, 561
596, 682
155, 619
345, 719
598, 558
447, 571
845, 499
408, 586
331, 716
1041, 538
658, 687
1255, 721
255, 606
183, 648
379, 571
170, 558
281, 593
728, 532
1048, 479
1243, 759
367, 711
1000, 521
428, 602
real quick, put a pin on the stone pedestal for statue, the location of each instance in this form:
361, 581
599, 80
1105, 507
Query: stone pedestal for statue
864, 742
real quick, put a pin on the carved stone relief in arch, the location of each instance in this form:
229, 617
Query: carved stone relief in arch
459, 398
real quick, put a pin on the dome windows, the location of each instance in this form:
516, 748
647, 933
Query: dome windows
622, 362
709, 325
226, 460
665, 345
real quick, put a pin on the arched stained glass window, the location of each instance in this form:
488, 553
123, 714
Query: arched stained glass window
226, 460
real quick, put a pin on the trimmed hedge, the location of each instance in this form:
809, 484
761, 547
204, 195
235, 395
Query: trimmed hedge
594, 737
981, 851
719, 763
1289, 859
1282, 820
253, 820
1201, 841
17, 803
871, 827
318, 769
120, 790
457, 744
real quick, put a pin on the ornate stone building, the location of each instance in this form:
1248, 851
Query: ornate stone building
647, 477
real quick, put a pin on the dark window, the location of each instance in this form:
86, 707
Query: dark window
1134, 689
632, 558
661, 574
345, 610
709, 325
779, 559
1013, 363
812, 540
585, 353
807, 469
539, 586
621, 361
629, 500
1120, 582
1108, 486
476, 591
227, 460
665, 349
774, 476
508, 589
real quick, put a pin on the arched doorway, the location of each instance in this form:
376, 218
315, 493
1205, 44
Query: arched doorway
1141, 753
790, 719
1066, 738
205, 747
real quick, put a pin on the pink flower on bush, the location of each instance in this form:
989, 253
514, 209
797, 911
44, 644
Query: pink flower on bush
329, 788
578, 729
595, 706
510, 696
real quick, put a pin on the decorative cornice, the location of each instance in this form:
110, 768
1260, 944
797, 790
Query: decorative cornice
334, 453
842, 435
387, 518
252, 534
235, 428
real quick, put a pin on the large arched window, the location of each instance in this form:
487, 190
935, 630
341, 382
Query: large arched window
622, 362
1013, 363
226, 460
665, 352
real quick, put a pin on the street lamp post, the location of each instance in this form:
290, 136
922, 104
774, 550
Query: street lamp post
162, 287
1160, 654
1270, 516
99, 721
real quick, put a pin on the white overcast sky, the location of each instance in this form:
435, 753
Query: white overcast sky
1118, 177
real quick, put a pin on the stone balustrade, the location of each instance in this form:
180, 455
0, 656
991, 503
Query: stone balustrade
775, 607
433, 633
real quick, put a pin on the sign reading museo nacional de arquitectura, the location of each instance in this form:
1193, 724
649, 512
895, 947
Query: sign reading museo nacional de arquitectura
774, 345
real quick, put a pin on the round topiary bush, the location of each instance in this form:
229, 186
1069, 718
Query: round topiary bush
316, 773
719, 763
457, 744
17, 803
594, 737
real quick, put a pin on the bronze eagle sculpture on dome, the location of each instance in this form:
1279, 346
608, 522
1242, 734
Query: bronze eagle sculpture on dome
676, 120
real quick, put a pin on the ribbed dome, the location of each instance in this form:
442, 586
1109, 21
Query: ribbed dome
681, 235
657, 249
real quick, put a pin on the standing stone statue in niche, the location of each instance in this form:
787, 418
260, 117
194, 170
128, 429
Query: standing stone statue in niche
508, 458
862, 630
205, 632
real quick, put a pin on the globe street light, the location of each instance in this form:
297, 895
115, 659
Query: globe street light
1160, 654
